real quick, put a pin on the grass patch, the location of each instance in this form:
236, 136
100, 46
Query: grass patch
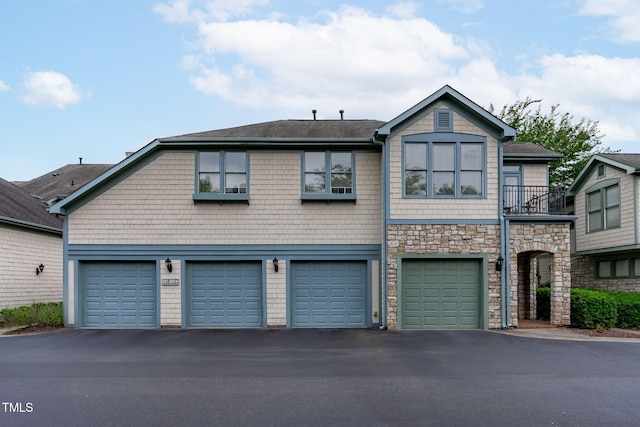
45, 314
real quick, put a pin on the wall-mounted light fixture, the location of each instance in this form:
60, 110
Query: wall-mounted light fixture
499, 263
39, 269
167, 262
275, 264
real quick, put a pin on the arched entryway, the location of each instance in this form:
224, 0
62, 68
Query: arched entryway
528, 242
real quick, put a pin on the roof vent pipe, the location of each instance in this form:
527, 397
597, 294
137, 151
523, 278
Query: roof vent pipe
314, 113
341, 114
80, 160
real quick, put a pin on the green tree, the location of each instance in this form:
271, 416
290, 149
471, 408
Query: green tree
556, 131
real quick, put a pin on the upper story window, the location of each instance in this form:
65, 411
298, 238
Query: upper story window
601, 171
328, 175
222, 175
603, 208
454, 166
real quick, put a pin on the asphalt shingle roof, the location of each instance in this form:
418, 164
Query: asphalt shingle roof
63, 181
296, 129
527, 148
632, 160
17, 204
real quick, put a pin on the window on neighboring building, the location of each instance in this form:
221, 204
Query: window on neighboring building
328, 173
603, 208
445, 166
222, 173
636, 267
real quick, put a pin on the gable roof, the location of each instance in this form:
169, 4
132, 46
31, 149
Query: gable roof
504, 131
627, 162
291, 129
63, 181
18, 207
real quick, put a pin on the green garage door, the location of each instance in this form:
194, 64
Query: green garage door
119, 294
440, 294
225, 294
329, 294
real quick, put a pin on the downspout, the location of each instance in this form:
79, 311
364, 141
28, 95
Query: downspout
503, 281
383, 254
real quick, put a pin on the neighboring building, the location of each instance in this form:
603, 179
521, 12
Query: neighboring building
607, 232
431, 220
31, 250
58, 184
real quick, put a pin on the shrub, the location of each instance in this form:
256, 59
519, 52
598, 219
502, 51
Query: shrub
543, 303
628, 304
49, 314
592, 309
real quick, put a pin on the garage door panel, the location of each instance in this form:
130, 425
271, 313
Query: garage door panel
225, 294
328, 294
440, 294
119, 294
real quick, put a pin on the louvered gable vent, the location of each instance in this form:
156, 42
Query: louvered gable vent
444, 120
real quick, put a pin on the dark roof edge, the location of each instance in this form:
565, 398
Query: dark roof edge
31, 225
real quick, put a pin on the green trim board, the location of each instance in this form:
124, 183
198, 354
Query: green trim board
481, 259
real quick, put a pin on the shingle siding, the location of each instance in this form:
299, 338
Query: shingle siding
21, 252
620, 236
155, 206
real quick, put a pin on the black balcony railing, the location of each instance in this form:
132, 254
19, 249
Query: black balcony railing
534, 200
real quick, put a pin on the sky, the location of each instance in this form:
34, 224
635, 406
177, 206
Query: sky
96, 79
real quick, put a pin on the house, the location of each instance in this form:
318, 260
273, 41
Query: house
430, 220
606, 249
31, 250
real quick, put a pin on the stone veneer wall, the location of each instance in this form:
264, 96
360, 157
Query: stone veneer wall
443, 239
583, 275
537, 238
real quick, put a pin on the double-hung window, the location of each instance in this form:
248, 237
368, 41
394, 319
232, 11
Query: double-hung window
603, 208
444, 165
222, 175
328, 175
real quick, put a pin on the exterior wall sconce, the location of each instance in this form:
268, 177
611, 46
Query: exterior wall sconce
39, 269
275, 264
499, 263
167, 262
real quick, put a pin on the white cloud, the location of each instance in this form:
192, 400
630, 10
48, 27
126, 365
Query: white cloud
4, 87
349, 57
465, 6
624, 17
199, 11
403, 9
50, 89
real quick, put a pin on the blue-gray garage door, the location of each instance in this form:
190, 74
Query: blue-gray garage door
440, 294
119, 294
225, 294
329, 294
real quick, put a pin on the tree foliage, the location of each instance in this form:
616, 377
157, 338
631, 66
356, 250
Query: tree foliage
556, 131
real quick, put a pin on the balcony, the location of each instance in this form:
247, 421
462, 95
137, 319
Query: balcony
532, 200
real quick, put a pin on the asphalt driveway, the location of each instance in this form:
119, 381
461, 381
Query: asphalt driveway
314, 377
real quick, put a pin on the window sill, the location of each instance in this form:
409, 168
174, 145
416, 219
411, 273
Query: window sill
220, 198
328, 198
